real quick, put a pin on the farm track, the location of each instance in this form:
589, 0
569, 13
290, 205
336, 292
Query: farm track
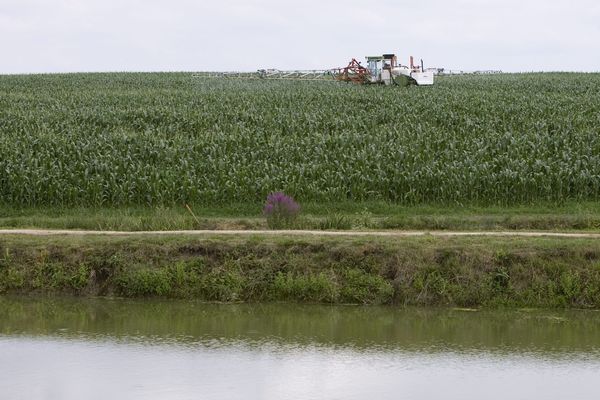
63, 232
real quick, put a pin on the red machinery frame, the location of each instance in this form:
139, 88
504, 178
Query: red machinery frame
353, 72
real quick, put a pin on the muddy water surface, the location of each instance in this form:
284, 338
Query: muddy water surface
120, 349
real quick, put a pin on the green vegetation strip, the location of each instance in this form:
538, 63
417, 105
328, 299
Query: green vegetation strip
584, 216
463, 271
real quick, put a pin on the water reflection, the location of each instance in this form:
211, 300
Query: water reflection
336, 327
66, 349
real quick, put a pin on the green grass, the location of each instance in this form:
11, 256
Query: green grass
337, 216
465, 272
133, 139
124, 151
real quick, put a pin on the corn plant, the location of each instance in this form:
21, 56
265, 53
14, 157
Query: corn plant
165, 138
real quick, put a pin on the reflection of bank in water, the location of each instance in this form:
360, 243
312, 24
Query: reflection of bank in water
548, 333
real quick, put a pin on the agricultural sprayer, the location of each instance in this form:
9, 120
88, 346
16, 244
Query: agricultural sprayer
383, 69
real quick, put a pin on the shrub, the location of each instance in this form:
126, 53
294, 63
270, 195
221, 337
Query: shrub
280, 210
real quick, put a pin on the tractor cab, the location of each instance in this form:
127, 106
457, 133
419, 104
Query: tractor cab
374, 65
385, 70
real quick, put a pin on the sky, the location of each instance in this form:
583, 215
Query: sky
246, 35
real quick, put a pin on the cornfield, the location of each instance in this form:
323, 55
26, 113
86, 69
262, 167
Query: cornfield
160, 139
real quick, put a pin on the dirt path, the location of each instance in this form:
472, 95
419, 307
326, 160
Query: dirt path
54, 232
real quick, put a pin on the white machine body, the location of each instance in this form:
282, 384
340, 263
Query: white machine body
385, 69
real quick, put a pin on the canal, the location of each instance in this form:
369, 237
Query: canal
57, 348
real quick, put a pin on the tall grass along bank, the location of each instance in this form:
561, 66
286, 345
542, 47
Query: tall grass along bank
466, 272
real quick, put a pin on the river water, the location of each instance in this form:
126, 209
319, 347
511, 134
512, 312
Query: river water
101, 349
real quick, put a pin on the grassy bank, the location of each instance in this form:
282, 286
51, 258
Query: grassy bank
343, 215
465, 272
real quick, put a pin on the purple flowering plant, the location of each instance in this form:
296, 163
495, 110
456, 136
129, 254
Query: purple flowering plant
280, 209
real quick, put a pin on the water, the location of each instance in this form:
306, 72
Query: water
119, 349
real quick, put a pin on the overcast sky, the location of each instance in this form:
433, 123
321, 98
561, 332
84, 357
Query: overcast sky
224, 35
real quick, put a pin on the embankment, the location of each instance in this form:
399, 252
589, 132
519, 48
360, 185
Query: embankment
457, 271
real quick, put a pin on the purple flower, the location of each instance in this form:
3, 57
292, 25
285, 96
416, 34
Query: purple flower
280, 206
